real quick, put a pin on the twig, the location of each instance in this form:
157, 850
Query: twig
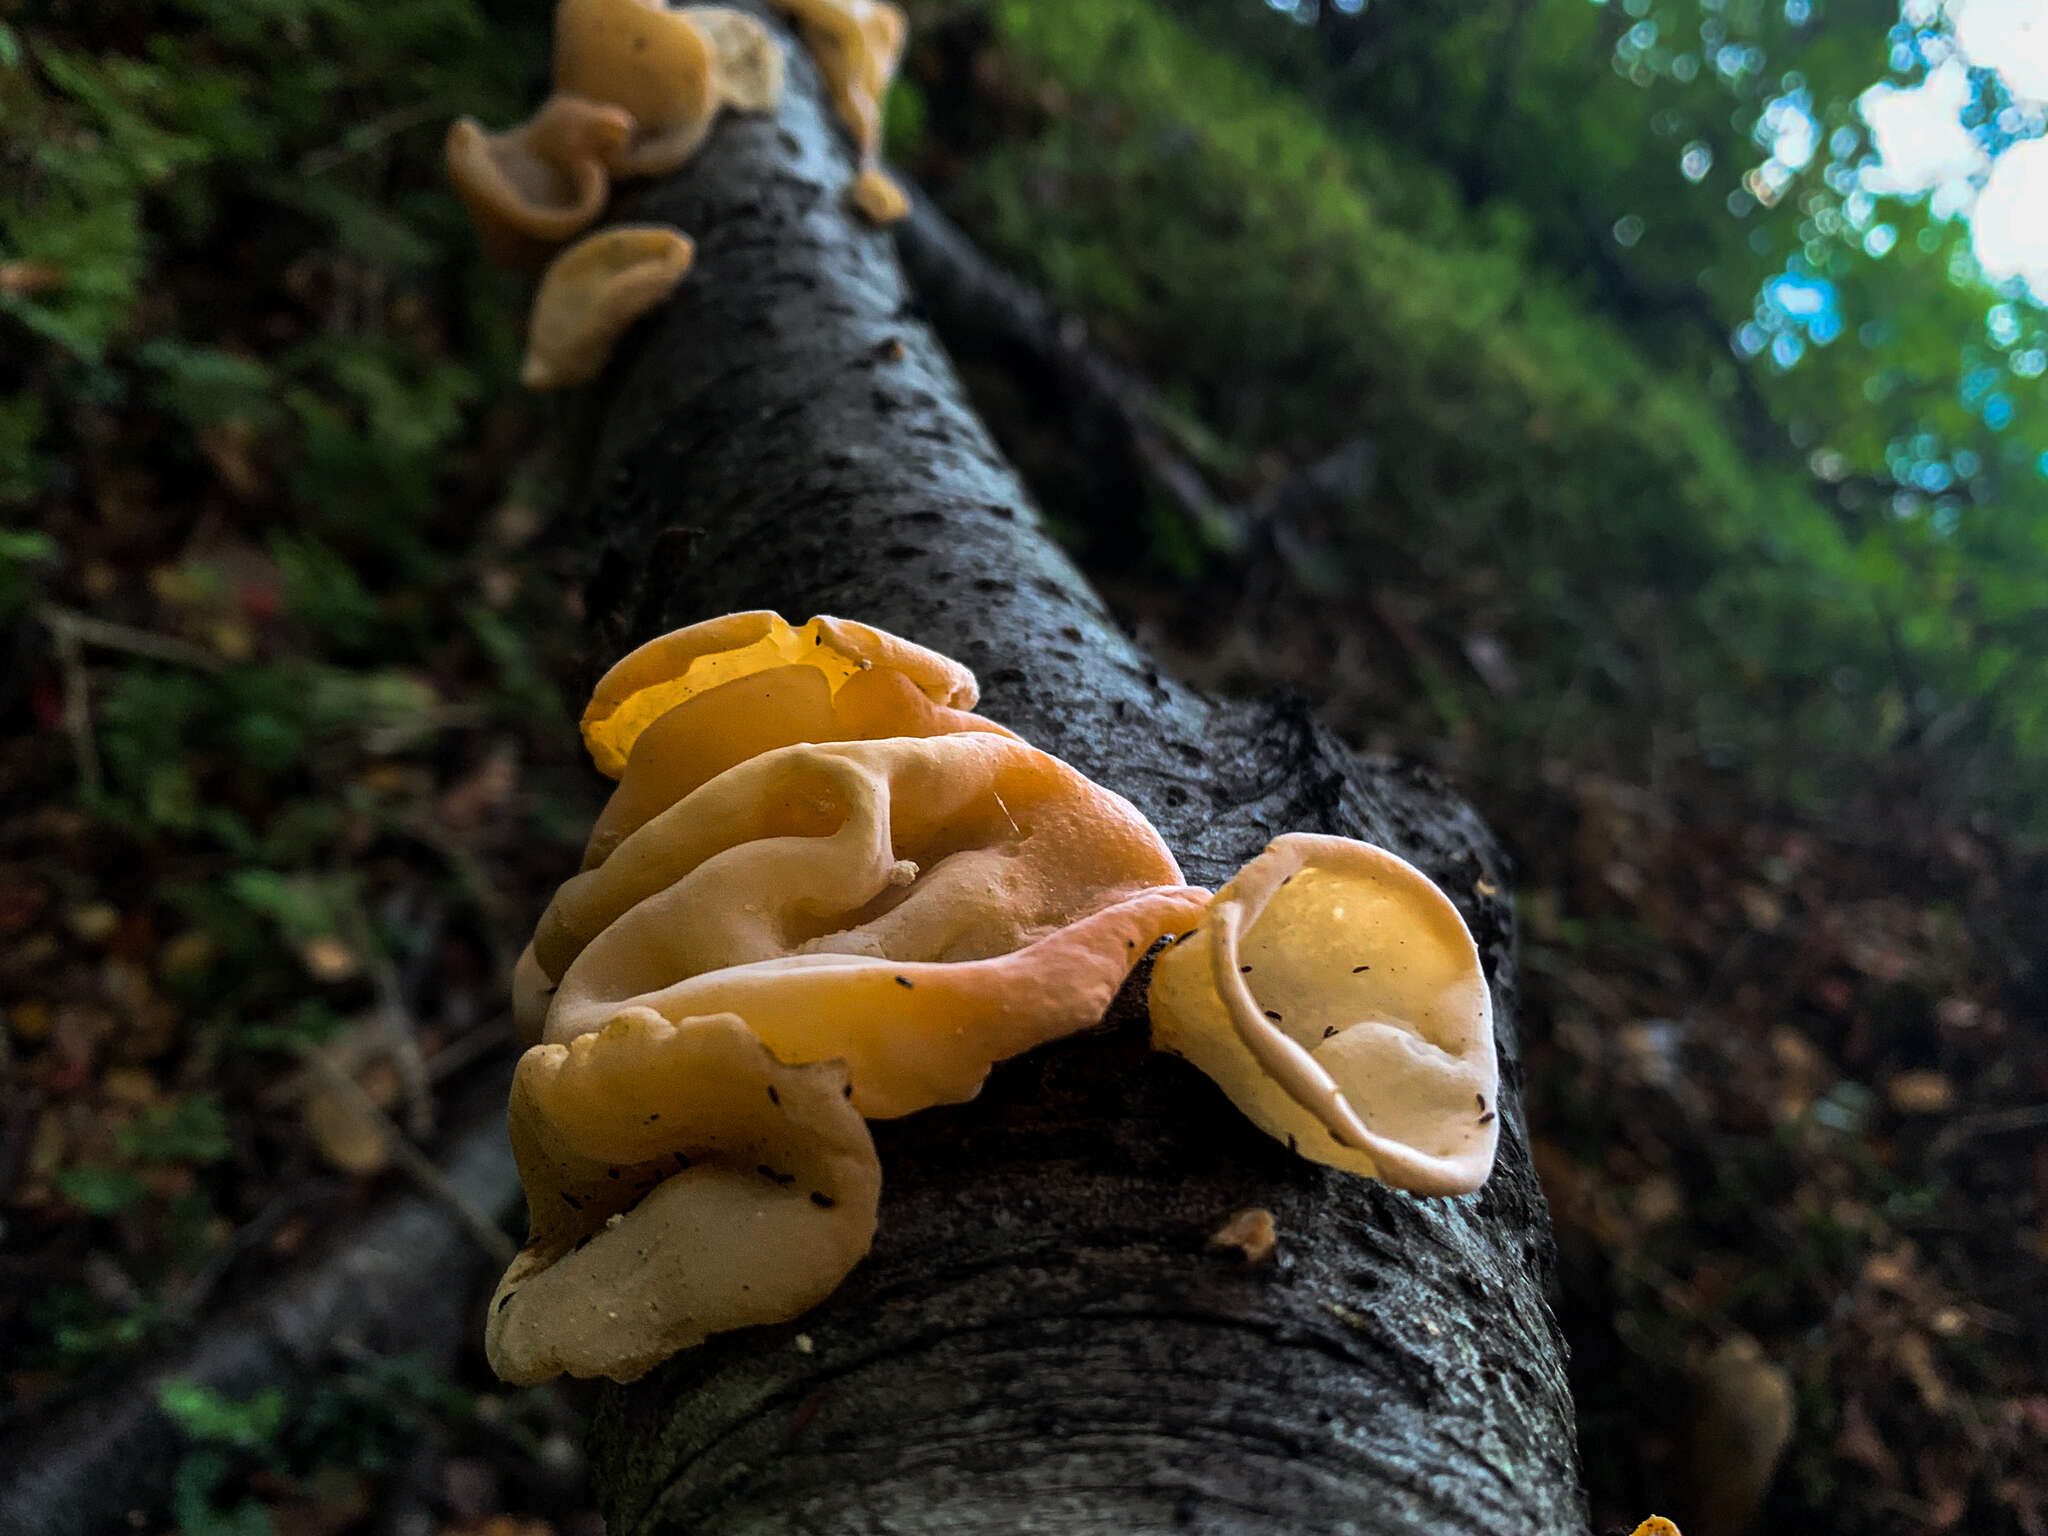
184, 1306
70, 633
401, 1037
78, 707
125, 637
416, 1165
1990, 1123
365, 137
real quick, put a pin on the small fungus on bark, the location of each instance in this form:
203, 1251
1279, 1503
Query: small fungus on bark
591, 293
671, 67
680, 1181
858, 45
530, 188
1335, 994
750, 64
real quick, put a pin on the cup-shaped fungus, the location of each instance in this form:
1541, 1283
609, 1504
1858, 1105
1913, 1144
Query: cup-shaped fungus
1335, 994
749, 60
857, 45
680, 1181
671, 67
591, 293
533, 187
918, 907
682, 709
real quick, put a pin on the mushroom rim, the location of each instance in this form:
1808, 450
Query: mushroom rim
1232, 915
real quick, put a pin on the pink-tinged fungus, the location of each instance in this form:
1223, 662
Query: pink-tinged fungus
682, 709
680, 1181
671, 67
591, 293
1335, 994
533, 187
857, 45
919, 907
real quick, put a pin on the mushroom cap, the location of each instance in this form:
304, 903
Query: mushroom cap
650, 681
1335, 994
778, 706
749, 60
648, 58
680, 1182
591, 293
541, 183
921, 907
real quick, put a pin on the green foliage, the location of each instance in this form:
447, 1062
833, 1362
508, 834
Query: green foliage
361, 1420
253, 1424
189, 1129
1296, 286
21, 549
100, 1190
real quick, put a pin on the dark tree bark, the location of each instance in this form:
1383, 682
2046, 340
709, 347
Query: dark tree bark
1039, 1340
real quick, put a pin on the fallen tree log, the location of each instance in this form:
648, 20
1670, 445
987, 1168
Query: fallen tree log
1040, 1340
401, 1280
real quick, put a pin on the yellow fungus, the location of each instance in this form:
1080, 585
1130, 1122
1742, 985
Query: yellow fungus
591, 293
533, 187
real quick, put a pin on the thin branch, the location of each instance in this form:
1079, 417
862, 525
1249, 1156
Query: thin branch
415, 1164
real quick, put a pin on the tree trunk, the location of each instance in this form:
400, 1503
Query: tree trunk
1039, 1340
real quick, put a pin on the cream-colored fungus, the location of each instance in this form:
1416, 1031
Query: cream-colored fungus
1335, 994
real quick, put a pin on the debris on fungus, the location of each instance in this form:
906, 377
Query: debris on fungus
1335, 994
857, 45
591, 293
671, 67
1251, 1232
1656, 1525
775, 892
680, 1181
682, 709
533, 187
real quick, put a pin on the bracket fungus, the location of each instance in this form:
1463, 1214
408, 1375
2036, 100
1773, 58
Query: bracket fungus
671, 67
532, 187
682, 709
920, 907
1335, 994
857, 45
592, 292
680, 1181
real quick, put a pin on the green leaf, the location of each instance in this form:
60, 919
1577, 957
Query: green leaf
100, 1190
249, 1424
190, 1129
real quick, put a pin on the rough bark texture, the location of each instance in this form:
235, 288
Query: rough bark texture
1039, 1341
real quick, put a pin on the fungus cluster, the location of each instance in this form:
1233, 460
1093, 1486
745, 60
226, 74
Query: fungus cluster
824, 889
638, 85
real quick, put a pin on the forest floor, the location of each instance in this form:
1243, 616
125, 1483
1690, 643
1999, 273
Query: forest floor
285, 789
